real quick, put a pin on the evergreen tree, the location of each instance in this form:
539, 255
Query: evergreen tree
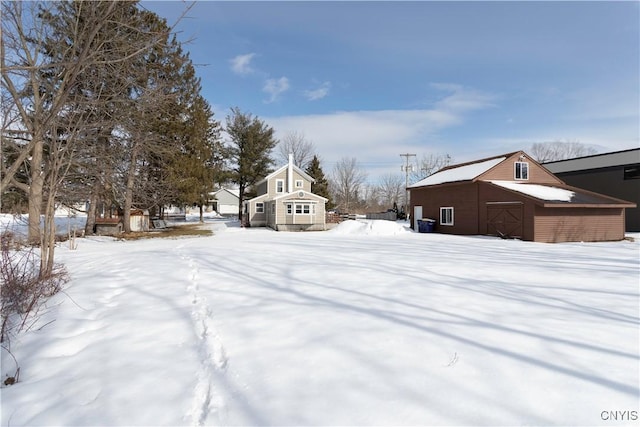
193, 168
252, 142
321, 184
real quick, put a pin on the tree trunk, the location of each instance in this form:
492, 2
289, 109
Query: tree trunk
91, 213
241, 191
48, 242
201, 212
128, 195
35, 192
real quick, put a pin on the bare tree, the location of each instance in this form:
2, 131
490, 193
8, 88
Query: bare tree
369, 198
346, 182
430, 164
302, 149
391, 190
559, 150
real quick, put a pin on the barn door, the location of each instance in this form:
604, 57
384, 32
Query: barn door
504, 219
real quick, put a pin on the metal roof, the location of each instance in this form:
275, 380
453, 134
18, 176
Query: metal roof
598, 161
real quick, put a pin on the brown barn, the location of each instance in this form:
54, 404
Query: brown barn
513, 196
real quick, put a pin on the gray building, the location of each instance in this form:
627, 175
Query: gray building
615, 174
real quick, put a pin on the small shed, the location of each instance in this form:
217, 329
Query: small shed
109, 226
513, 196
139, 220
111, 223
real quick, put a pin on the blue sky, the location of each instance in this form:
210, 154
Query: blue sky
372, 80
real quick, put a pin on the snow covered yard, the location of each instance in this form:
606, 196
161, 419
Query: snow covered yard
368, 324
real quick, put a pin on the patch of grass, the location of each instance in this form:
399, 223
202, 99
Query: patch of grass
170, 232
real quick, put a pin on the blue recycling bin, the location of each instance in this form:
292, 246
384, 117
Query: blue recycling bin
426, 225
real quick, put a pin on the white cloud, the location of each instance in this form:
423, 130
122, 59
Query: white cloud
374, 138
462, 99
275, 87
241, 64
319, 93
377, 138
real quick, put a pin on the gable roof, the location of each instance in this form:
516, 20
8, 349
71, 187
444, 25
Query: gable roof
233, 191
463, 171
283, 168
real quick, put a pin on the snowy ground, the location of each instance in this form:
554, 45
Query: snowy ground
367, 324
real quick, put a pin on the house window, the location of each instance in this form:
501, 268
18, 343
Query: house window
289, 209
446, 216
273, 208
522, 170
259, 207
303, 209
280, 186
299, 183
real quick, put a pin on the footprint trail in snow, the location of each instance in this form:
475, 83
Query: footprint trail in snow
208, 405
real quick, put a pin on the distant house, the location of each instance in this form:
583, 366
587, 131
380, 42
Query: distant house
513, 196
285, 202
226, 201
615, 174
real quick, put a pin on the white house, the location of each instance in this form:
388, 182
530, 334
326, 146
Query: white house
225, 201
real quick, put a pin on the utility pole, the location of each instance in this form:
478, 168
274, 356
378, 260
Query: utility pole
407, 168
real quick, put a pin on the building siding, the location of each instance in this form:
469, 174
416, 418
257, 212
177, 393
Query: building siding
262, 188
610, 181
578, 224
505, 172
270, 185
462, 197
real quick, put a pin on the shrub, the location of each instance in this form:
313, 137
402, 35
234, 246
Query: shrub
23, 290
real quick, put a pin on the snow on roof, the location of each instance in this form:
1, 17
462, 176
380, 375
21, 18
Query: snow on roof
461, 173
234, 191
542, 192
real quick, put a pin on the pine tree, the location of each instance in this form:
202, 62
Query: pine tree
252, 142
321, 184
193, 169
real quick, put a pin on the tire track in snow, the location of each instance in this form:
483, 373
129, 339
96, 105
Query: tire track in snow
206, 401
